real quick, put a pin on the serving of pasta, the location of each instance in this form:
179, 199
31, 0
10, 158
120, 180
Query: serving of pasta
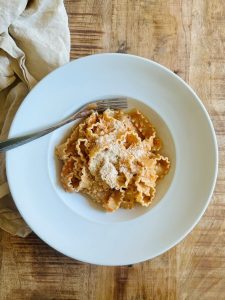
113, 157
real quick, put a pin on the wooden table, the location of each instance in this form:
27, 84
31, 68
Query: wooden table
188, 37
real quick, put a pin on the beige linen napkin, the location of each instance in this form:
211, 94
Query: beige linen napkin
34, 40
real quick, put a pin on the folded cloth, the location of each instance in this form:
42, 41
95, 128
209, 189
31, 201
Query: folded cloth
34, 40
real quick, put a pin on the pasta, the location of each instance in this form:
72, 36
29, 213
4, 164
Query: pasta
114, 158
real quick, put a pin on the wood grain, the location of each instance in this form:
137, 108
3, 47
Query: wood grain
189, 38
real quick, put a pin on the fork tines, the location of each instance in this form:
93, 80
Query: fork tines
116, 103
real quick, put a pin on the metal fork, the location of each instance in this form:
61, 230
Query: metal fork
100, 106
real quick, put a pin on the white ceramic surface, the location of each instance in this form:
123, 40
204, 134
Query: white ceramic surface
73, 225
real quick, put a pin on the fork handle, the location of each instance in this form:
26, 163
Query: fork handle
12, 143
21, 140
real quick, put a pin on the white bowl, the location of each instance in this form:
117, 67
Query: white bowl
71, 223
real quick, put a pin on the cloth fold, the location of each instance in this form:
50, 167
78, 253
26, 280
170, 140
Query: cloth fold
34, 40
